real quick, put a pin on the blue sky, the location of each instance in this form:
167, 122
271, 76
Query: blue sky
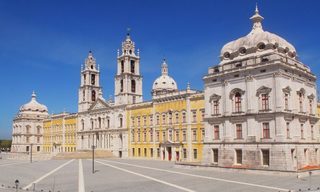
44, 43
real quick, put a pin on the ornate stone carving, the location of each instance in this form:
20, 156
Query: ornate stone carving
234, 91
214, 97
263, 90
287, 90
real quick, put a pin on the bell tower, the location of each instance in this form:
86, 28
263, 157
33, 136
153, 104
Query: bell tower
90, 87
128, 81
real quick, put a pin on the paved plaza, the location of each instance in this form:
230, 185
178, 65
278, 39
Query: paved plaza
128, 175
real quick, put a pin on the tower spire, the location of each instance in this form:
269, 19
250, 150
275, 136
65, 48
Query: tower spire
256, 20
33, 96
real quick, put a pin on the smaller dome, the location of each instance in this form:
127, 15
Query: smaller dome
33, 106
164, 83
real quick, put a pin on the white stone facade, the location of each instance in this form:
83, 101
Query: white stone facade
27, 127
102, 123
260, 105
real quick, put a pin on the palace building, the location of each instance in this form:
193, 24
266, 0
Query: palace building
59, 133
170, 126
261, 106
258, 110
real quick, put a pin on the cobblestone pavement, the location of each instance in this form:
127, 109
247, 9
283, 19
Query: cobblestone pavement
133, 175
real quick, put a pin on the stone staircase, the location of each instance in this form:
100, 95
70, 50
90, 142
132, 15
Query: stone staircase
25, 156
87, 154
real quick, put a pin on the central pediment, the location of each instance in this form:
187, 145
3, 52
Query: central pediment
99, 104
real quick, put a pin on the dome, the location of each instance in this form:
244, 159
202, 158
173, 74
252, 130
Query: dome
257, 40
33, 106
164, 83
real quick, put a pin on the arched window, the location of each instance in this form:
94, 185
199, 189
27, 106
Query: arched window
92, 124
120, 122
132, 66
121, 85
28, 129
237, 102
122, 66
38, 130
82, 124
93, 79
93, 95
83, 95
99, 122
133, 86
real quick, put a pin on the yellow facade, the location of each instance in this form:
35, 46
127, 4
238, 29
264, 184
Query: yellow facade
60, 133
168, 128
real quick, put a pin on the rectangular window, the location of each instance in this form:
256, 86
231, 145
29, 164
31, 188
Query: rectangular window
194, 116
163, 119
238, 156
239, 131
301, 102
265, 102
310, 106
139, 135
202, 134
144, 135
163, 135
158, 120
184, 117
266, 130
177, 135
184, 135
237, 102
132, 136
158, 152
177, 117
301, 130
288, 130
170, 135
151, 134
216, 132
312, 135
144, 121
138, 121
132, 121
151, 120
265, 157
286, 101
215, 155
157, 136
170, 118
195, 153
194, 135
215, 107
202, 115
184, 153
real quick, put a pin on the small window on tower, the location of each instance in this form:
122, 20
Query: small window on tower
121, 85
132, 65
133, 86
93, 79
122, 66
91, 66
93, 95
